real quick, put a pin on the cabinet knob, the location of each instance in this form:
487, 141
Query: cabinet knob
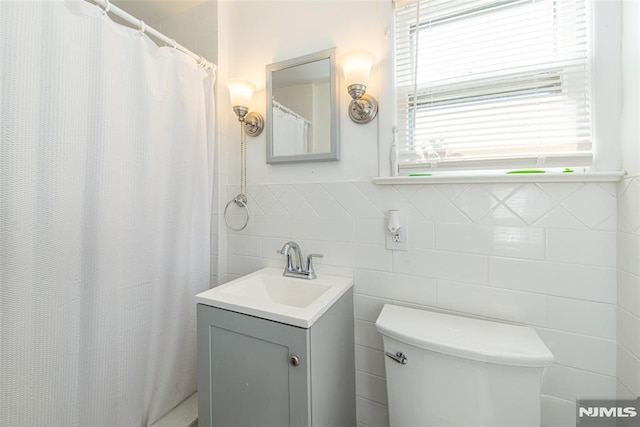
294, 360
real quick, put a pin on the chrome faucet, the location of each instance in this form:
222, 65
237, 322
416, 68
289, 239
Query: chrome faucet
295, 263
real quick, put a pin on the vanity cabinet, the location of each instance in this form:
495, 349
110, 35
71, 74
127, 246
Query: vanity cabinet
254, 372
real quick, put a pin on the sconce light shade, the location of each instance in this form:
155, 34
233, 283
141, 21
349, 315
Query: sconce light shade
241, 92
356, 67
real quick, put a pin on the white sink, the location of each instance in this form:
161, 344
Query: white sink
268, 294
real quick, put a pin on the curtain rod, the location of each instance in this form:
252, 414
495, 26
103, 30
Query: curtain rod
289, 111
111, 8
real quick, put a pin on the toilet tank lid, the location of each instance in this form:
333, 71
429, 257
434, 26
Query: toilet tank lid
474, 339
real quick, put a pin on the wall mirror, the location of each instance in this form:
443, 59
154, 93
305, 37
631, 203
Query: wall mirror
302, 109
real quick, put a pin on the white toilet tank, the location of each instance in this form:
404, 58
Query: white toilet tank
459, 371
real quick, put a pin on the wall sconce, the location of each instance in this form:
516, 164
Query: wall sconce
241, 92
356, 67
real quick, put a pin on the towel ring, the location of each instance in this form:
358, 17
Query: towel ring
241, 201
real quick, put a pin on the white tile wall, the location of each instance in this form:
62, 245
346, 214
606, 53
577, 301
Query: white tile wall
582, 317
557, 412
571, 384
628, 318
441, 265
588, 247
516, 242
581, 351
536, 254
553, 278
371, 387
487, 301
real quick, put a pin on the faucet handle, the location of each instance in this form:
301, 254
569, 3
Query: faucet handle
310, 271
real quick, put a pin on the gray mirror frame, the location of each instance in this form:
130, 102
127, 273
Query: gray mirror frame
334, 153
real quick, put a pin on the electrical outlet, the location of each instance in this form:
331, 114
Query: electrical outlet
398, 241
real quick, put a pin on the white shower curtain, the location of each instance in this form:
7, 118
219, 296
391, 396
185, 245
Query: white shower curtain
290, 132
105, 193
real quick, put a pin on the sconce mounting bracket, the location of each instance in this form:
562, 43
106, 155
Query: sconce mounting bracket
363, 110
253, 124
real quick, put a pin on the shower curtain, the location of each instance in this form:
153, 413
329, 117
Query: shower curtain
291, 132
105, 192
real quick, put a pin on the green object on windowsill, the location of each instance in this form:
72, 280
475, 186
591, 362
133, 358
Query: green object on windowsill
420, 174
526, 171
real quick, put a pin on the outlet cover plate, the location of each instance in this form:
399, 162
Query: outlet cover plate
403, 244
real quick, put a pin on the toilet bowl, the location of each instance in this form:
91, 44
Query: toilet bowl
444, 370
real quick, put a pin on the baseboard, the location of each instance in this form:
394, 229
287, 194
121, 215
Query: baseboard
183, 415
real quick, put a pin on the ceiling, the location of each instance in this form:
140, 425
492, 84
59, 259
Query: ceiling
154, 11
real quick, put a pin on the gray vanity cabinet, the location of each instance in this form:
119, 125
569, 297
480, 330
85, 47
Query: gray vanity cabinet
254, 372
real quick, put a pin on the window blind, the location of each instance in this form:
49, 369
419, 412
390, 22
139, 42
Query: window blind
492, 84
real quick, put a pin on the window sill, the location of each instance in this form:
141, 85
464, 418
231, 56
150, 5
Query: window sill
491, 178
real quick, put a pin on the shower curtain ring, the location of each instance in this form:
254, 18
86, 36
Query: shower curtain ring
175, 45
107, 7
143, 28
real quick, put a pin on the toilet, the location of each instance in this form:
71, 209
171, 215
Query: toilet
444, 370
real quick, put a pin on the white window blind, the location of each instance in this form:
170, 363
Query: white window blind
492, 84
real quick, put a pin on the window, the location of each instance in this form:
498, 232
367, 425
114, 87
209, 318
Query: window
492, 84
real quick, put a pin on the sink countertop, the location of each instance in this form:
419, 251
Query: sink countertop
269, 295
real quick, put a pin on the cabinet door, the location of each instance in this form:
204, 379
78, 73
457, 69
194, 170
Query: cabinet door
245, 374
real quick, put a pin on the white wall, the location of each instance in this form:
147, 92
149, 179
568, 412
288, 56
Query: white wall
630, 123
194, 28
541, 255
628, 358
264, 32
606, 83
628, 315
